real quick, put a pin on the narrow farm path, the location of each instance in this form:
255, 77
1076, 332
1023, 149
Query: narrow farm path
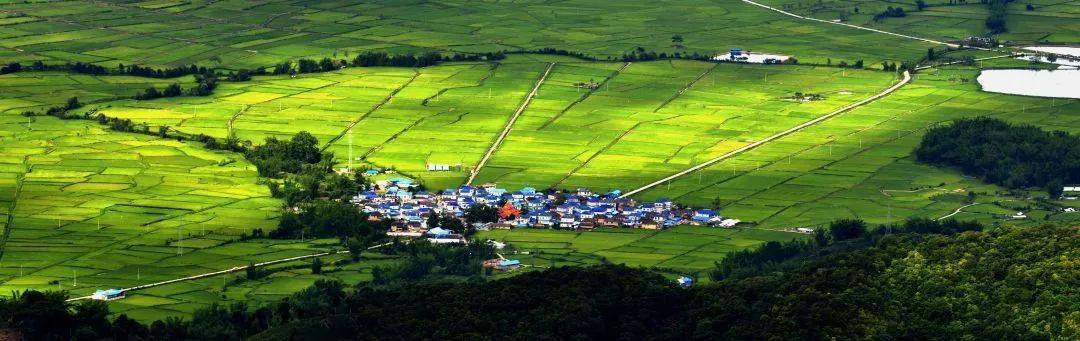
851, 25
906, 78
229, 270
687, 87
961, 209
585, 96
509, 124
385, 100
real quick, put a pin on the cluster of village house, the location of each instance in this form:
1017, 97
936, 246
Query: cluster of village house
580, 209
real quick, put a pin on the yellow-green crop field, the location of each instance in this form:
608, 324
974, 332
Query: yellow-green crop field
84, 208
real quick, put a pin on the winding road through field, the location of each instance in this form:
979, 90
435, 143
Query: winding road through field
509, 125
906, 78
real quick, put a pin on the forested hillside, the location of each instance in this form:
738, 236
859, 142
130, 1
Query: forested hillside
1002, 153
922, 280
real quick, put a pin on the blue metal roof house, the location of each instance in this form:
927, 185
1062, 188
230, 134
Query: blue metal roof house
108, 294
685, 281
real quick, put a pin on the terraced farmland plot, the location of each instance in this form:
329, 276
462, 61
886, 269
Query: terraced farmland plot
183, 298
399, 117
242, 34
35, 90
858, 164
322, 104
88, 207
679, 250
648, 120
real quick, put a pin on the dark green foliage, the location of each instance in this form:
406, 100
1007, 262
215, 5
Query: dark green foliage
10, 68
316, 266
1004, 154
1005, 284
481, 214
995, 23
890, 12
276, 156
255, 272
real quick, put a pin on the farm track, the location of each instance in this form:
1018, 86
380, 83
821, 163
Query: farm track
906, 79
687, 87
229, 129
863, 150
370, 111
227, 271
851, 25
584, 96
509, 125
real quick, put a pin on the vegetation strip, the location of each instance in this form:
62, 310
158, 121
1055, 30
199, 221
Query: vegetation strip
509, 124
906, 78
229, 270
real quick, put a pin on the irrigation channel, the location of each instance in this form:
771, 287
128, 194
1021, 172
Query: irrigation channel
906, 79
226, 271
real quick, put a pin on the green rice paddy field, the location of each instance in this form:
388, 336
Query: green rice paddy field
238, 33
647, 119
1051, 21
859, 165
85, 208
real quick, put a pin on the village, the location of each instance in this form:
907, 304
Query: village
409, 208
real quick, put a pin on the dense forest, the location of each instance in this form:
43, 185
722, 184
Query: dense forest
998, 152
920, 280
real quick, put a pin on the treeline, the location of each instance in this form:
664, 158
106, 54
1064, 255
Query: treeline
890, 12
423, 260
995, 22
367, 59
774, 253
1014, 156
1008, 283
130, 70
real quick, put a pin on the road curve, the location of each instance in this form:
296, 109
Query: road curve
957, 211
906, 78
509, 125
849, 25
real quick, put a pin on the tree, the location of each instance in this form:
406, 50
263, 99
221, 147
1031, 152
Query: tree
845, 229
316, 266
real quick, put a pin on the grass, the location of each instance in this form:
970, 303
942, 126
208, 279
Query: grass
859, 164
243, 34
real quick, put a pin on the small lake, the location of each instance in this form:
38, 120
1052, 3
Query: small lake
1043, 83
1061, 50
